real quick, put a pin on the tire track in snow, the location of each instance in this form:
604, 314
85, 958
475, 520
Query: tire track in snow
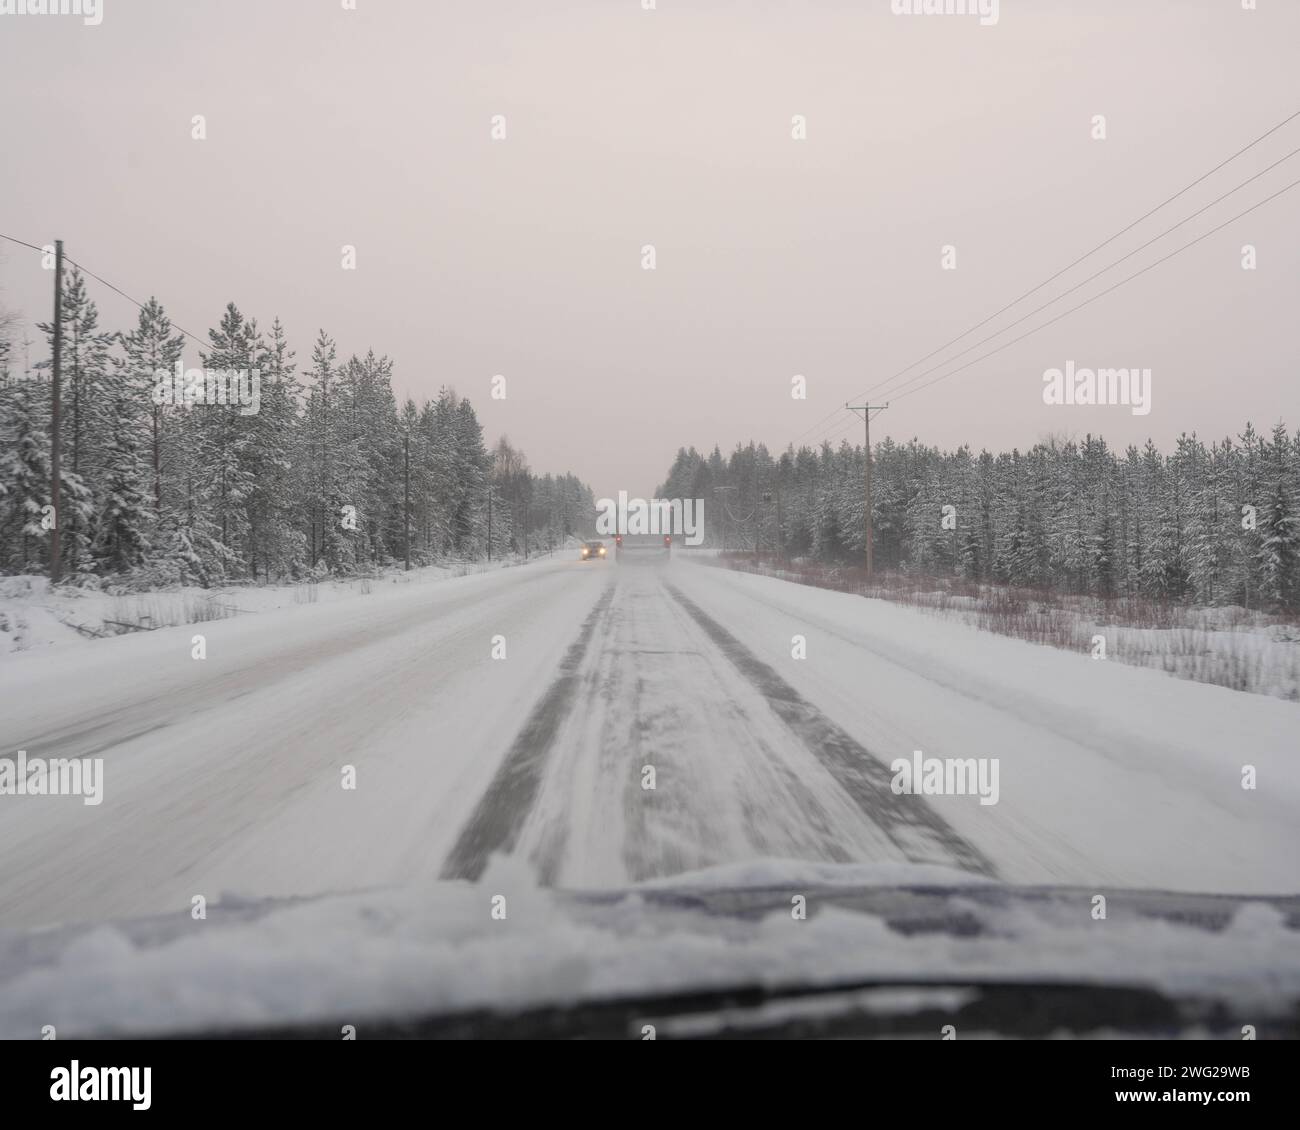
496, 821
919, 832
735, 784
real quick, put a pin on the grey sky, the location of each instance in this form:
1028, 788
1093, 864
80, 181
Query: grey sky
673, 127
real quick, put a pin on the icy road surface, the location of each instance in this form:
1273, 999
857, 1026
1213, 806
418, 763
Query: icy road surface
224, 775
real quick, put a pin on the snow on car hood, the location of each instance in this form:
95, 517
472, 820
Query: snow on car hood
439, 948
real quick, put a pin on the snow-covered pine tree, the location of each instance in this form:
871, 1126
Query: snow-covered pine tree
152, 348
125, 506
24, 480
473, 470
224, 470
1279, 552
277, 544
85, 368
25, 483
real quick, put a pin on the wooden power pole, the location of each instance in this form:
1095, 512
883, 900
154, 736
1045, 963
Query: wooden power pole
406, 468
866, 410
56, 485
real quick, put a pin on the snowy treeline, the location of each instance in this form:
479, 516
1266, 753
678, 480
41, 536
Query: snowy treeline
1217, 524
313, 482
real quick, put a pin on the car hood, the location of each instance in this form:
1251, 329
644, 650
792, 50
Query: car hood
764, 948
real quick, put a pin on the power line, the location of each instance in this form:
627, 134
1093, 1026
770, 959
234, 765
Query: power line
1073, 309
105, 282
24, 243
1108, 290
837, 432
727, 506
1096, 274
1106, 242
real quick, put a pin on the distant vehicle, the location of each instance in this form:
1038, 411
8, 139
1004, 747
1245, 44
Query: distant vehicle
637, 549
593, 550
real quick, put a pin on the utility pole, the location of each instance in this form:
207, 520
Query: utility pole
56, 486
721, 492
780, 540
866, 410
406, 461
489, 519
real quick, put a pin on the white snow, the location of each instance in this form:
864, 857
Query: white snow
437, 948
226, 772
33, 618
1109, 774
1229, 646
224, 775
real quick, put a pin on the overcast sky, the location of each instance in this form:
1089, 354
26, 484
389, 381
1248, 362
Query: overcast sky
672, 127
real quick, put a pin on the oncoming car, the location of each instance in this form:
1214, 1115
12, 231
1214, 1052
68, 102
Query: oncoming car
593, 550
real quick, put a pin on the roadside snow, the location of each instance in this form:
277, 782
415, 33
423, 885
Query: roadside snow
1109, 774
1233, 647
33, 618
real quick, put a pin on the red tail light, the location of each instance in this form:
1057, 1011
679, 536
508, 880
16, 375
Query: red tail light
668, 539
618, 539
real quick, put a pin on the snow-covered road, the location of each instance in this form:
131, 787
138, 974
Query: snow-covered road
523, 711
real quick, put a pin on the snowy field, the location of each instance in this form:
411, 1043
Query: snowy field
1227, 646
